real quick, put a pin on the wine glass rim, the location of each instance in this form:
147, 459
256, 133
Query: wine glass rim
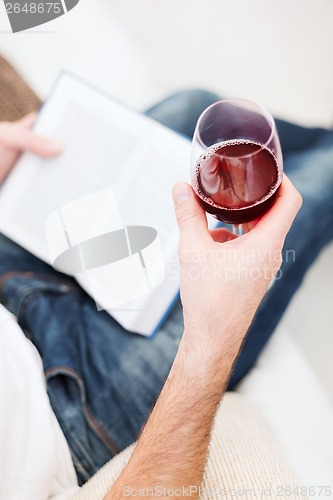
236, 99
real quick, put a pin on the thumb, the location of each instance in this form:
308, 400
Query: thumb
191, 218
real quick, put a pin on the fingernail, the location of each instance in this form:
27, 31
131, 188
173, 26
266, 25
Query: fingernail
53, 146
181, 192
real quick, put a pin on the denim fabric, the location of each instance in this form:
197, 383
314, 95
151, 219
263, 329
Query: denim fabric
102, 380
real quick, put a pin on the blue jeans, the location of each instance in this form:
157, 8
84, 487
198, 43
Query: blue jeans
102, 380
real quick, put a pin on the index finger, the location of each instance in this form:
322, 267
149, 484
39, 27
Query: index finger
20, 138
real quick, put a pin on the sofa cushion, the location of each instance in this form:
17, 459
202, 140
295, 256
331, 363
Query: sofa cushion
243, 461
16, 97
287, 392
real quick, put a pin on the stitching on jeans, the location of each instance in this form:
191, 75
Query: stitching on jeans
94, 424
30, 274
13, 274
27, 293
27, 297
78, 452
100, 431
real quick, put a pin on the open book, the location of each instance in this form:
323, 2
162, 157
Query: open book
102, 211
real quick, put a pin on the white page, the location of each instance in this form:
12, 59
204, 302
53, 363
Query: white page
106, 146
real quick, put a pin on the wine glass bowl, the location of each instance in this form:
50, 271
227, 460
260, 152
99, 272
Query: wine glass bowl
236, 161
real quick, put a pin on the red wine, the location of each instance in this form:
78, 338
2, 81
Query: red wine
237, 181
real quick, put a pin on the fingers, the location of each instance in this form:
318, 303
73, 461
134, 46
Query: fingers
273, 226
276, 223
18, 137
248, 226
191, 218
221, 235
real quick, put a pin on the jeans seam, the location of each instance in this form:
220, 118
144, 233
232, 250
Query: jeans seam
13, 274
44, 276
77, 450
28, 291
93, 423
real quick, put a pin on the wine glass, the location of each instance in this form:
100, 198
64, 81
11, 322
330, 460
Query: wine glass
237, 163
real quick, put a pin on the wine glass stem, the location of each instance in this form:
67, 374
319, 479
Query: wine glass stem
237, 229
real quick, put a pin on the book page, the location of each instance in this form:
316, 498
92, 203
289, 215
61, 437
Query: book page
106, 146
94, 156
160, 170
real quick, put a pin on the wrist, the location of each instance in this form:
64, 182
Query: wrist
206, 355
218, 341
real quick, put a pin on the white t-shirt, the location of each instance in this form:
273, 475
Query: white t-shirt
35, 461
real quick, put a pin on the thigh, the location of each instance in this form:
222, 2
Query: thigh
181, 111
297, 138
15, 258
102, 380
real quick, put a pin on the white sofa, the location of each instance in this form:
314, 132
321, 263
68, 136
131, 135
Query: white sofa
108, 43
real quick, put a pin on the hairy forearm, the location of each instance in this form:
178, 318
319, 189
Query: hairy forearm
172, 449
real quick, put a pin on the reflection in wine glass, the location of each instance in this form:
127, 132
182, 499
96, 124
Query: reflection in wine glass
236, 161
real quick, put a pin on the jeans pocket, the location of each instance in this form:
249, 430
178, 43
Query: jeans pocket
89, 443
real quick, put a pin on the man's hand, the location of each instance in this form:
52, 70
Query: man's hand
223, 278
222, 284
17, 137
